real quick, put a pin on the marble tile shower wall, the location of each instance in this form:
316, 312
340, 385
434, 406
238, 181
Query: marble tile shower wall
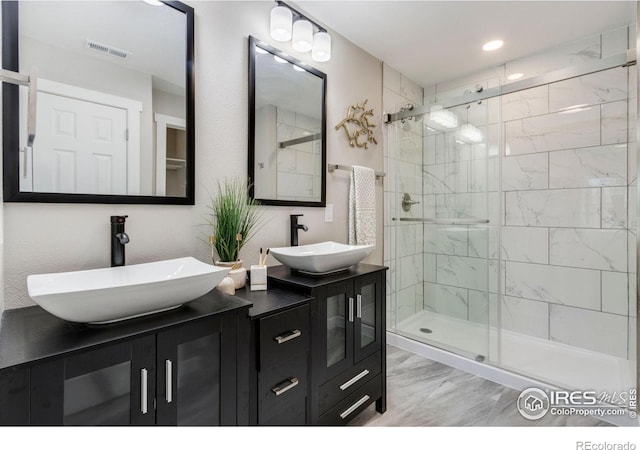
403, 166
568, 222
569, 179
298, 165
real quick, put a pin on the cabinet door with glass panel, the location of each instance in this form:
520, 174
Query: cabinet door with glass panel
112, 385
182, 376
192, 362
333, 343
368, 315
350, 314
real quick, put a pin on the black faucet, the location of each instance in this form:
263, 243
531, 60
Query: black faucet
295, 226
118, 239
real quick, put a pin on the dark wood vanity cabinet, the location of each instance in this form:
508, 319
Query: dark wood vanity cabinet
177, 368
348, 354
279, 359
309, 351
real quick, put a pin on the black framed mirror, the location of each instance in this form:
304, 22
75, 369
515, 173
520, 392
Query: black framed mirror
287, 129
115, 102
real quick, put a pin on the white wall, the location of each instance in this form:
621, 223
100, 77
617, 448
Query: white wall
44, 238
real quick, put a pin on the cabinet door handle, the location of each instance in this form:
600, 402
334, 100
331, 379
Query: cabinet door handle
143, 391
284, 338
353, 407
354, 380
359, 306
350, 309
280, 389
168, 390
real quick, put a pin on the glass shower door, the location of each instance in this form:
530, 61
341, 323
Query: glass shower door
444, 263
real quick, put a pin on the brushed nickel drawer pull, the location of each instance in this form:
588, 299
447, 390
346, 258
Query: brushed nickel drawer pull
292, 335
353, 407
293, 382
354, 380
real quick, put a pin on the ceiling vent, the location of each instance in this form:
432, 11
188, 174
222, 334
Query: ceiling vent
106, 49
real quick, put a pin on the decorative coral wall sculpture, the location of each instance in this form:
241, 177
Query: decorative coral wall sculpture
358, 118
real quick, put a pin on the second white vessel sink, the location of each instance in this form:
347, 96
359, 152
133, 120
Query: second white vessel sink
118, 293
323, 258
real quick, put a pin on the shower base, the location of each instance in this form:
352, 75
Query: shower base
549, 363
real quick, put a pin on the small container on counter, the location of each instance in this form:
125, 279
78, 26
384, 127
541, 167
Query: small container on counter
258, 278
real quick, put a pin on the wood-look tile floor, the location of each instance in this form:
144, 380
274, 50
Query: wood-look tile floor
422, 392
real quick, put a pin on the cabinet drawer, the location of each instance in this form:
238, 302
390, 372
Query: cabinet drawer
353, 404
284, 335
348, 381
282, 393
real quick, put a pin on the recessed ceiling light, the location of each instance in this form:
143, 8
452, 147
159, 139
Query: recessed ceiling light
515, 76
492, 45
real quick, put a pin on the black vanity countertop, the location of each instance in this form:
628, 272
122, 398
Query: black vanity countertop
282, 274
31, 334
275, 299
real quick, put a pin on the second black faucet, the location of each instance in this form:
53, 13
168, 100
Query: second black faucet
295, 226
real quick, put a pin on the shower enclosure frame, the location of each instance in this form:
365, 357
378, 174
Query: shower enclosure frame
625, 59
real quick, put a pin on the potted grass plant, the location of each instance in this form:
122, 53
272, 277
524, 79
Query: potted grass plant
233, 220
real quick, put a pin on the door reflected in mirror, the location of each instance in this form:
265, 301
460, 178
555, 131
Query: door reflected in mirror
287, 154
113, 113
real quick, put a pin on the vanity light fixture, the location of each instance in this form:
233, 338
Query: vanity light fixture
321, 50
492, 45
302, 39
281, 20
306, 35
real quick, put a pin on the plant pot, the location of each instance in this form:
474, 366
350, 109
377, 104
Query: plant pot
239, 276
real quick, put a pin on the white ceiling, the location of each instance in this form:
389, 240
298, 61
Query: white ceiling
435, 41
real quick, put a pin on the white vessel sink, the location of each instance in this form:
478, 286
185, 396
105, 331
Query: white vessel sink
322, 258
118, 293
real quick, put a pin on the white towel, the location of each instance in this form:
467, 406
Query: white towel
362, 206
